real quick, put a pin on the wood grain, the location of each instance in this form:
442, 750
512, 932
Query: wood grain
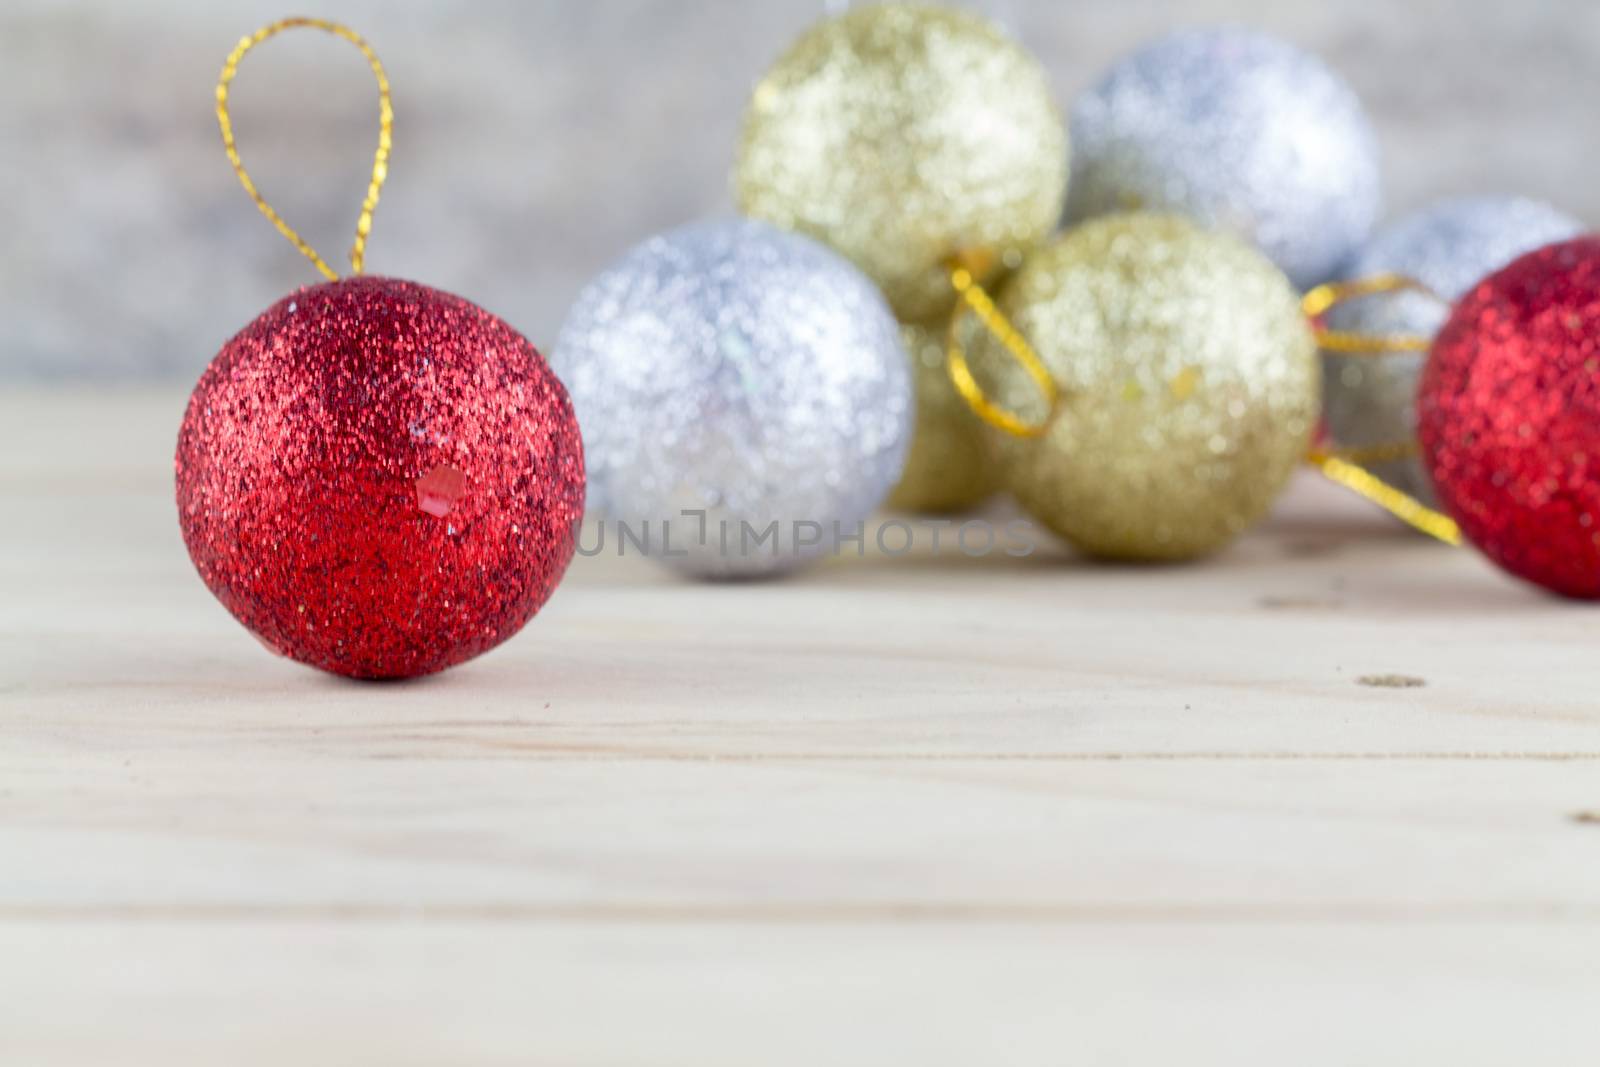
893, 810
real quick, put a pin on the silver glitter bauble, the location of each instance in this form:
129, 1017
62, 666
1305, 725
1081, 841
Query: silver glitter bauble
744, 386
1370, 400
1239, 131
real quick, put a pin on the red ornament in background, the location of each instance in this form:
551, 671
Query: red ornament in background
1509, 417
377, 478
380, 479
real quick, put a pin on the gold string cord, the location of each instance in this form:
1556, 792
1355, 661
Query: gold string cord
1401, 505
380, 159
978, 302
1346, 467
1319, 301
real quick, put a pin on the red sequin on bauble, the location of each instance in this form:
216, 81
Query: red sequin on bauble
380, 479
1509, 417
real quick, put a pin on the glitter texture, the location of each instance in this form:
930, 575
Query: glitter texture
900, 136
948, 467
1238, 131
1189, 386
379, 479
1508, 416
1371, 401
748, 373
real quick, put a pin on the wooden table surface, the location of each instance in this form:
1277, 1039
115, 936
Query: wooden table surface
891, 811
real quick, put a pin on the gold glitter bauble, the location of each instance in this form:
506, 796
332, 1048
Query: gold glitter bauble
1189, 386
901, 136
949, 467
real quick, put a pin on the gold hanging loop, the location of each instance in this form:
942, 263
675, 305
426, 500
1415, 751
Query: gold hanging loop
1401, 505
973, 298
1324, 298
1346, 466
380, 159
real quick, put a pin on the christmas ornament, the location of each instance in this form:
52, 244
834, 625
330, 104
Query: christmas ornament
376, 478
902, 136
1509, 416
1369, 400
1239, 131
948, 467
1152, 385
744, 397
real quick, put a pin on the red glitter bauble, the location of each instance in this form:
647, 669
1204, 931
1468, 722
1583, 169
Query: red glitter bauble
1509, 417
380, 479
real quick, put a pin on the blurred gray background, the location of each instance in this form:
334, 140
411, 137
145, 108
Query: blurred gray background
535, 141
